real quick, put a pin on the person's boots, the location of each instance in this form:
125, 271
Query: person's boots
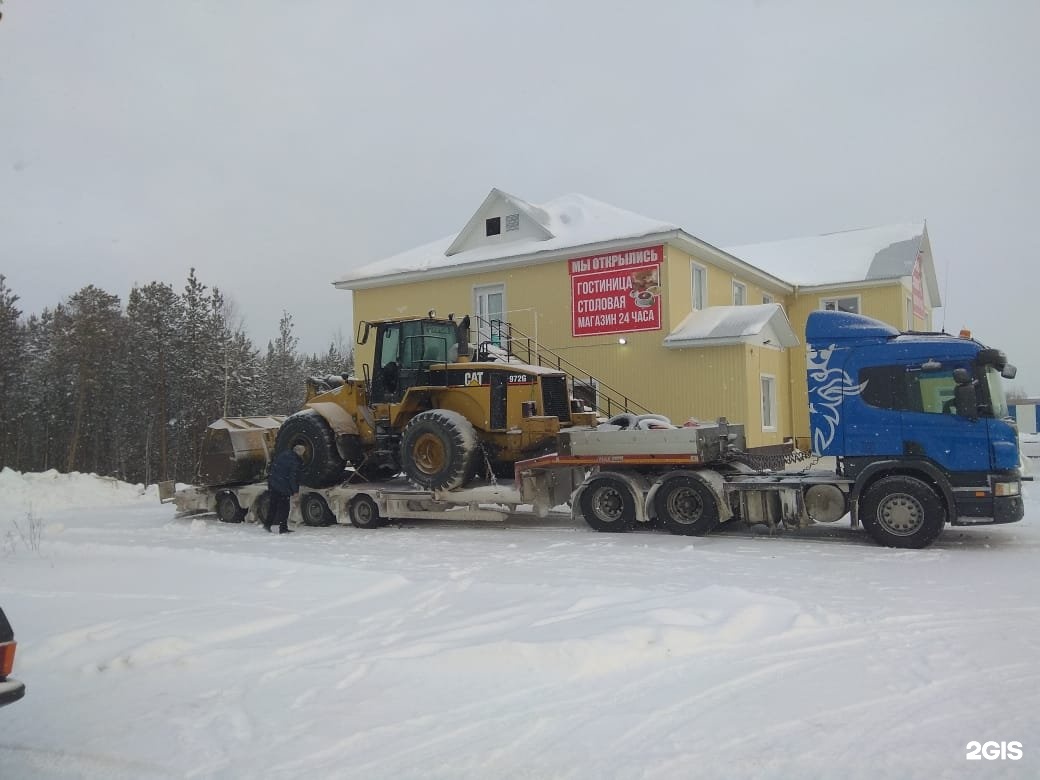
284, 529
267, 527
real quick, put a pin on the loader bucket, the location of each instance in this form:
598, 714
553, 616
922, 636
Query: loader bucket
236, 450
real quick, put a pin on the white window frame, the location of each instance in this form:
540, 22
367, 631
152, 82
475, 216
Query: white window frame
909, 313
694, 269
835, 300
767, 298
743, 293
480, 294
768, 412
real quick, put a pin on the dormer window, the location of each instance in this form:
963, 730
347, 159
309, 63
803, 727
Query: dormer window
493, 226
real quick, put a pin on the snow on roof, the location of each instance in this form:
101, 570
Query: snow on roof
572, 220
719, 325
884, 252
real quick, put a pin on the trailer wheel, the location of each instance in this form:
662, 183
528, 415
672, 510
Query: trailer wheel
314, 510
902, 511
686, 506
437, 449
364, 513
262, 507
228, 508
607, 504
322, 464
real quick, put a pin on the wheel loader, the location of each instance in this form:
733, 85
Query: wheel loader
427, 408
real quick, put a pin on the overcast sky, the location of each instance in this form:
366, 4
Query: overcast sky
274, 145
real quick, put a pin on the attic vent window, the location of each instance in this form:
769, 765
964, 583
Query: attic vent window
512, 222
493, 226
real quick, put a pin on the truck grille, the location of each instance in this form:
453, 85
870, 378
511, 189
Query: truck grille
554, 398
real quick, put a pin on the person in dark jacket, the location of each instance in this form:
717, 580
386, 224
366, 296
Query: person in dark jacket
283, 483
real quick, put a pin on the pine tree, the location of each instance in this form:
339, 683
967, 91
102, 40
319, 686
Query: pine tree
285, 374
154, 315
91, 332
12, 366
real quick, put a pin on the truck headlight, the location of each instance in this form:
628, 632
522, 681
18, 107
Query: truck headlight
1007, 488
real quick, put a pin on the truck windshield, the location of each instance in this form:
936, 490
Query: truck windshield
995, 389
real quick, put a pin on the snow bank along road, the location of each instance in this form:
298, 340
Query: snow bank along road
161, 647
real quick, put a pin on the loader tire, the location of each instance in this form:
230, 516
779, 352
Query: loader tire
438, 448
322, 464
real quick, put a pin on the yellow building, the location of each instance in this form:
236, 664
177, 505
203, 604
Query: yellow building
644, 312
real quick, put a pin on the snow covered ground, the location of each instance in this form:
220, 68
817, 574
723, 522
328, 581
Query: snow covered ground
156, 646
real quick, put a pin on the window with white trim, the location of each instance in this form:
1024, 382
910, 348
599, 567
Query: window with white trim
909, 313
848, 304
767, 298
739, 293
768, 402
699, 280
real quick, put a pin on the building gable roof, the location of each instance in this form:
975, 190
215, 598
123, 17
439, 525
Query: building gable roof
532, 222
847, 257
765, 324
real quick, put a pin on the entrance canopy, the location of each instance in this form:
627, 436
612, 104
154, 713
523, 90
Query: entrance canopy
764, 325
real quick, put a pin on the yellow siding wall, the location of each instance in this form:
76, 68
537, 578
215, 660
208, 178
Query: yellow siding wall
680, 383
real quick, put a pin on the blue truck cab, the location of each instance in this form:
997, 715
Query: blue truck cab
918, 423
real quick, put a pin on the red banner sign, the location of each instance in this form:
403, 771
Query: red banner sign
917, 286
616, 293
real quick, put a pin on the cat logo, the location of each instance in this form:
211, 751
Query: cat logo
474, 378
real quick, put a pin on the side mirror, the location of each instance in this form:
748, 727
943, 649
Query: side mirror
965, 400
1008, 371
362, 337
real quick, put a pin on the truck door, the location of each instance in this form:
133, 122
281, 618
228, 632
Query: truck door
874, 412
933, 429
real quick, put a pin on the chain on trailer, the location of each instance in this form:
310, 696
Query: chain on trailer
777, 461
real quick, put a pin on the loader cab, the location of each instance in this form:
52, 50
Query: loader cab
405, 351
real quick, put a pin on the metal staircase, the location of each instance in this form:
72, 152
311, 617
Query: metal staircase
505, 342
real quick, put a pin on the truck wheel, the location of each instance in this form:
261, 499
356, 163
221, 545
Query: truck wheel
437, 449
686, 506
228, 509
314, 510
364, 513
262, 507
902, 511
322, 464
607, 504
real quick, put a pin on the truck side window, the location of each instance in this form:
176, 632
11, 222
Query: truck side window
934, 390
885, 387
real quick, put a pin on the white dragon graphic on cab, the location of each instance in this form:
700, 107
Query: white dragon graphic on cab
827, 386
